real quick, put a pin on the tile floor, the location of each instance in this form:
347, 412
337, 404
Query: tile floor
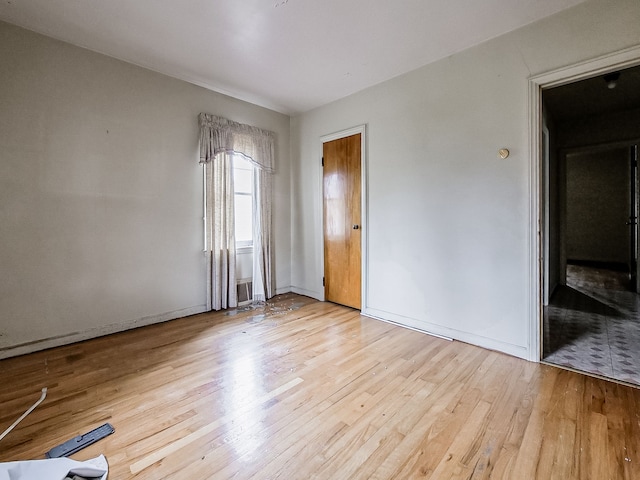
593, 325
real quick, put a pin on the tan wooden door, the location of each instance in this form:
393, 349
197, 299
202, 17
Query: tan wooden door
342, 229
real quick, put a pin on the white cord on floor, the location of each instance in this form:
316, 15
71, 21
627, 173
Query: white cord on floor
44, 394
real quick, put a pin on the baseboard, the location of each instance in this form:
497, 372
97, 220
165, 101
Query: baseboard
308, 293
283, 290
51, 342
447, 333
602, 264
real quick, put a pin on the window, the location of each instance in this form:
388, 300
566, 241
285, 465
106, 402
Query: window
251, 196
243, 197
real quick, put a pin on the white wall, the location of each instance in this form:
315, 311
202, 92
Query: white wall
448, 220
101, 193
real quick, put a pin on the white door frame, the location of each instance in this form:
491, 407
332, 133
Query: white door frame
591, 68
364, 212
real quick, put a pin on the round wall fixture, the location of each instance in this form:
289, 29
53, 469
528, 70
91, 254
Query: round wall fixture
503, 153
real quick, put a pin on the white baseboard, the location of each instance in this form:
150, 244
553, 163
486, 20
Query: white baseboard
448, 333
66, 339
308, 293
283, 290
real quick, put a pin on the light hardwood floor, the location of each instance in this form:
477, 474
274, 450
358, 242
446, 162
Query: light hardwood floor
314, 390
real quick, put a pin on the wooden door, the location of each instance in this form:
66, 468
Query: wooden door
342, 228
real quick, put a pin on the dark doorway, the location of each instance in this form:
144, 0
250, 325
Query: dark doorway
592, 307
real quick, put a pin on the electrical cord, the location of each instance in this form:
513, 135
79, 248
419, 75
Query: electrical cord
42, 397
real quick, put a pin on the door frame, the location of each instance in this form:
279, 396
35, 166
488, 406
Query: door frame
599, 66
634, 155
364, 212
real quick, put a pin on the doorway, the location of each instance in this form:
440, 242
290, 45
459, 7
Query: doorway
588, 242
599, 205
342, 219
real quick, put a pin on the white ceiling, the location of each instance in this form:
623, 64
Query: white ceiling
287, 55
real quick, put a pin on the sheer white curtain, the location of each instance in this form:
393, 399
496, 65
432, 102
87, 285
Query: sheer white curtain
262, 237
219, 139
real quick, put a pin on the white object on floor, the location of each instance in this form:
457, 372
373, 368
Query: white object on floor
42, 396
54, 469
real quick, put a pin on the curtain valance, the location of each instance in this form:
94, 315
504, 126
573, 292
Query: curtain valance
218, 134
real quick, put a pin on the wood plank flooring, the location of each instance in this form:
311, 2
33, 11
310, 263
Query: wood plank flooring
313, 390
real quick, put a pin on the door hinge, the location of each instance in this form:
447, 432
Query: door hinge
323, 281
323, 161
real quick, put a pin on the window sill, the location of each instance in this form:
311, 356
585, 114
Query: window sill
244, 249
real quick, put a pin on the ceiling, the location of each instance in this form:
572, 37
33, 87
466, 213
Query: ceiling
591, 97
287, 55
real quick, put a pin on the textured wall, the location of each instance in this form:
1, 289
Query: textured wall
448, 221
101, 192
598, 206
